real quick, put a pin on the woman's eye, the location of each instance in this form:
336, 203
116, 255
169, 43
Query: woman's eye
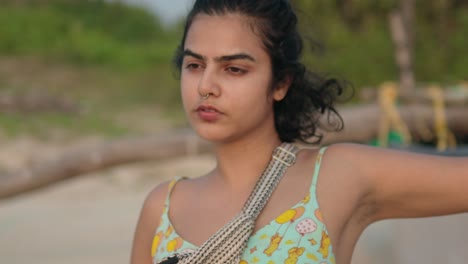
192, 66
236, 70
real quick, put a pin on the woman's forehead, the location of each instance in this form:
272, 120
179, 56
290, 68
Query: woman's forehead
218, 35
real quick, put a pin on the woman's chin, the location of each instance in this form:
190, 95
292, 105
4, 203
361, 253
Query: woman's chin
213, 135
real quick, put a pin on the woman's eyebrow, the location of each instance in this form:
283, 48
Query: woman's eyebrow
237, 56
188, 52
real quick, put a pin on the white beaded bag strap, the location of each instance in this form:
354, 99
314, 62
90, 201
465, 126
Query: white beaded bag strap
228, 243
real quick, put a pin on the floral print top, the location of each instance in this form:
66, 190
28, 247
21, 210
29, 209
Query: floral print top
298, 235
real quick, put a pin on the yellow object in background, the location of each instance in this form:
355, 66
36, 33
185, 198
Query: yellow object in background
391, 119
445, 138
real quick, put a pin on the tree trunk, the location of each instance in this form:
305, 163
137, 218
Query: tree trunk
400, 23
408, 12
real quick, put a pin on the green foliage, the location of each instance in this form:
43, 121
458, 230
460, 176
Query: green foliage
441, 50
354, 33
120, 55
130, 52
85, 32
123, 23
40, 124
358, 44
363, 56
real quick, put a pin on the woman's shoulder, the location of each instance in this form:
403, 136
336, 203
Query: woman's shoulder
367, 157
351, 151
155, 201
163, 193
148, 221
335, 152
347, 147
158, 196
346, 161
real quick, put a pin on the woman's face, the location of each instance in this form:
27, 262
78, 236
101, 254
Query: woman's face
224, 58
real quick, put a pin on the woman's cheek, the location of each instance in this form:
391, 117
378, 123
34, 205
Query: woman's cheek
186, 102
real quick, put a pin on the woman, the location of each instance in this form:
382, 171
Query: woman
244, 89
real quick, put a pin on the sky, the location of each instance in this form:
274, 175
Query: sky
168, 10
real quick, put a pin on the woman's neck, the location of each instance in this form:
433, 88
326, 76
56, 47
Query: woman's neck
241, 163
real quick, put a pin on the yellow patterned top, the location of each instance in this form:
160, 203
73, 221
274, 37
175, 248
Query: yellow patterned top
298, 235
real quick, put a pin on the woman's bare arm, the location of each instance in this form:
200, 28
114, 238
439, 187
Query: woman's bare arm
147, 224
404, 184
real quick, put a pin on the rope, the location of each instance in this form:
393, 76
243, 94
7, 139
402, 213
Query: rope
445, 138
388, 93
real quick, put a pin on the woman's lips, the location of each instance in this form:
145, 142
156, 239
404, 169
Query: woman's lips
208, 113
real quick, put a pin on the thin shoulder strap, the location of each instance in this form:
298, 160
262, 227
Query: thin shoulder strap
318, 163
170, 189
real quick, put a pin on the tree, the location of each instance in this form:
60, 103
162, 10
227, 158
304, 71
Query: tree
436, 35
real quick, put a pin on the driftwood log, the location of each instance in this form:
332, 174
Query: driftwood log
455, 97
361, 122
75, 162
361, 125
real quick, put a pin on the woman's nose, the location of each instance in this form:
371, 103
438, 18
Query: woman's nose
209, 83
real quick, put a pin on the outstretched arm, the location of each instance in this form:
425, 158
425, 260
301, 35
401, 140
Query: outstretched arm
403, 184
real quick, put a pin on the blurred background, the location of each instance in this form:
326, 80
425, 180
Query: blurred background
91, 119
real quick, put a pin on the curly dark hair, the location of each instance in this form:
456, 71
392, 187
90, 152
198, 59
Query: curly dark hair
310, 96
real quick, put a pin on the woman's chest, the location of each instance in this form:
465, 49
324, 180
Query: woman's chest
297, 235
198, 217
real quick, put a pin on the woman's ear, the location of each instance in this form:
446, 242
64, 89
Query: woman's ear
282, 88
